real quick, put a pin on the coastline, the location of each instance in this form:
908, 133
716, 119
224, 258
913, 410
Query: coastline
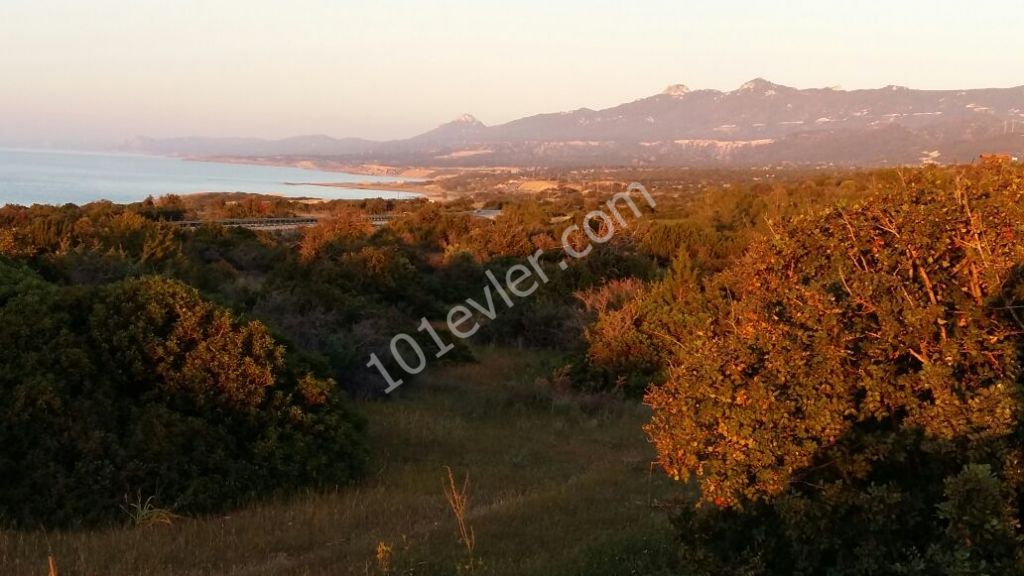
323, 165
431, 191
424, 184
57, 177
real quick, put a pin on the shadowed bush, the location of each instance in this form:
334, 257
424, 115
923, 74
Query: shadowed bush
142, 387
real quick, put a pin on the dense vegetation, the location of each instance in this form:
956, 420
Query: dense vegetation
833, 360
847, 396
194, 370
110, 395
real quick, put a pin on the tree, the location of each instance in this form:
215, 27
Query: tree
843, 353
344, 225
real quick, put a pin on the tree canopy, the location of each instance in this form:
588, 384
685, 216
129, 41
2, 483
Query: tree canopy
857, 372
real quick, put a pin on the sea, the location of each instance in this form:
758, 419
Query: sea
59, 177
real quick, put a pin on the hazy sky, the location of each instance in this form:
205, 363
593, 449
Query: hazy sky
78, 71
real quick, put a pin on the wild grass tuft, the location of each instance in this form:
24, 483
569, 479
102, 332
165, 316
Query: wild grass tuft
458, 501
144, 513
384, 552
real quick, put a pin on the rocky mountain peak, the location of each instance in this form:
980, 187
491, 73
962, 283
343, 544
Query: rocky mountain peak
466, 119
676, 90
760, 86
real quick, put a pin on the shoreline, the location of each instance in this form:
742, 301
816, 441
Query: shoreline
424, 186
322, 165
430, 192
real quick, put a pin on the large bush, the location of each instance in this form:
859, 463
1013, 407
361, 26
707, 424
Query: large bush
848, 398
141, 388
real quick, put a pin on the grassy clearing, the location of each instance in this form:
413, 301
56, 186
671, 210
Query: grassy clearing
556, 486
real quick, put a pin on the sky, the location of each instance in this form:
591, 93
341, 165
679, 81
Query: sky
78, 73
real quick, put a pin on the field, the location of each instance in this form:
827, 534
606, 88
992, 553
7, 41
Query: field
557, 485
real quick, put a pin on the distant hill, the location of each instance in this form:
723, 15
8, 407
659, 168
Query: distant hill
463, 129
758, 123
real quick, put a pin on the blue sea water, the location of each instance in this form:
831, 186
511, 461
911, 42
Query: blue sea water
47, 177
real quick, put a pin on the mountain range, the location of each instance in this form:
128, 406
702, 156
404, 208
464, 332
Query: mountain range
760, 123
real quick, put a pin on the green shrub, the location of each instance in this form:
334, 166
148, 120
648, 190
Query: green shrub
143, 388
848, 397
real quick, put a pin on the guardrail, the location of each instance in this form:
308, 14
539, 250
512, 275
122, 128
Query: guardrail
292, 223
251, 223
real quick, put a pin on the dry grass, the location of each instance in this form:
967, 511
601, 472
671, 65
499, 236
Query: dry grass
458, 500
556, 490
142, 513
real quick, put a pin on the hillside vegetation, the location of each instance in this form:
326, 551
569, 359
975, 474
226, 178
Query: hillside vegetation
549, 476
765, 373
